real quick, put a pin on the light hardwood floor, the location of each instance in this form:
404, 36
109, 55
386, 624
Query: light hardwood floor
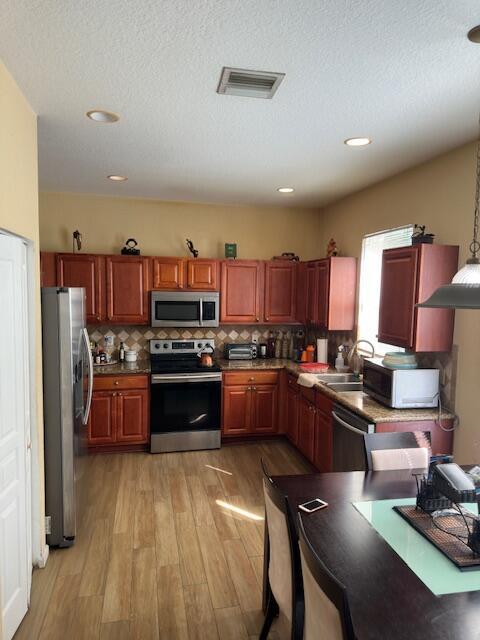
169, 546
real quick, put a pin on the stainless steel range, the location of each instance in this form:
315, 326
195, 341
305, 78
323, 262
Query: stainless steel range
185, 412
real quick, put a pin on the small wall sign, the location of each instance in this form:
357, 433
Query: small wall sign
230, 250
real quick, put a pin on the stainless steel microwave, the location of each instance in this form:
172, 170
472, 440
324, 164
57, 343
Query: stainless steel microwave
400, 388
185, 309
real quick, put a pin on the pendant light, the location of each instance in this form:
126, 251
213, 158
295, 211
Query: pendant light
464, 291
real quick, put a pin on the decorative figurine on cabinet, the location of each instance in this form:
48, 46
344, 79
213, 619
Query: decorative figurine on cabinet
332, 249
191, 248
77, 240
130, 248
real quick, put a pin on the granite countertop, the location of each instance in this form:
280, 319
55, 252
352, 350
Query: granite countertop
357, 401
140, 366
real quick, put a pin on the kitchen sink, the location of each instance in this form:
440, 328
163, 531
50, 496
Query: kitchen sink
345, 386
336, 377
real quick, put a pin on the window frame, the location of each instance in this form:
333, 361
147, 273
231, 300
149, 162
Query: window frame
382, 347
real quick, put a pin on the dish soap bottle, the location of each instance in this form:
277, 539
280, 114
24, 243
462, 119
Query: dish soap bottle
340, 361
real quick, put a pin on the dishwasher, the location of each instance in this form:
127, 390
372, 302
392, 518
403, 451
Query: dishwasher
348, 445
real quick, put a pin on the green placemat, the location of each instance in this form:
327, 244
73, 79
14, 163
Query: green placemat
438, 573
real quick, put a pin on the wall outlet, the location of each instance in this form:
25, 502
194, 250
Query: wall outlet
108, 341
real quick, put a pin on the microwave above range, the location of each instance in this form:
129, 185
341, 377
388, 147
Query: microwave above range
401, 388
185, 309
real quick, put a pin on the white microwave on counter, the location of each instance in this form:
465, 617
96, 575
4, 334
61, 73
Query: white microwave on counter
401, 388
185, 309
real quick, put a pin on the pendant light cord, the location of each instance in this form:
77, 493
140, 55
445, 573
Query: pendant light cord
475, 245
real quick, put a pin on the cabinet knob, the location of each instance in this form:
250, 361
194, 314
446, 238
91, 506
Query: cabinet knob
266, 318
251, 379
257, 319
119, 394
254, 388
117, 382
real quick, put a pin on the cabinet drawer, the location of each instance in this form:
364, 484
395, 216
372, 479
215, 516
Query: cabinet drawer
112, 383
292, 382
250, 377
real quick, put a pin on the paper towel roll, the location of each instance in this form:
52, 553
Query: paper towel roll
322, 350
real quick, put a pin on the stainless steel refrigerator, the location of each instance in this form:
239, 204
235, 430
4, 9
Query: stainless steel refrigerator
67, 396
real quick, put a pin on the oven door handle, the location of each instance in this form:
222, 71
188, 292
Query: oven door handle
204, 377
348, 426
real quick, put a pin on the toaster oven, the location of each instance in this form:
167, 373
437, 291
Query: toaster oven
240, 351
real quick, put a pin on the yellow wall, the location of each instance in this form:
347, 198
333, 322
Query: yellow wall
439, 194
161, 227
19, 204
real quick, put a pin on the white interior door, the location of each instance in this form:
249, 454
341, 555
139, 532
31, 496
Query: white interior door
15, 520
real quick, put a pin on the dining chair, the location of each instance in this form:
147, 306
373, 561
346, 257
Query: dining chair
327, 612
399, 450
283, 591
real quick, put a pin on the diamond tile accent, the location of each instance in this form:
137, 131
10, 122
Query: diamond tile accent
149, 335
244, 335
233, 335
221, 335
123, 335
136, 335
174, 335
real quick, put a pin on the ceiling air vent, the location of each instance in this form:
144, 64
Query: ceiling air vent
253, 84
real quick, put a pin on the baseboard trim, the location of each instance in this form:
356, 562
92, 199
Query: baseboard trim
42, 560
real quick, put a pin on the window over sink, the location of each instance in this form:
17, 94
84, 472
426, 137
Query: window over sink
373, 246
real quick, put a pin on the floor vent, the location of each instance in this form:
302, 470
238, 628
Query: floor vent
252, 84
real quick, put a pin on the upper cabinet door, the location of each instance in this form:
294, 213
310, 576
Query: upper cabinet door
48, 269
168, 273
280, 291
81, 270
396, 323
323, 288
127, 289
410, 275
312, 293
202, 274
242, 284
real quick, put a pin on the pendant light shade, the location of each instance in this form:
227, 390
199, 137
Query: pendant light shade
454, 296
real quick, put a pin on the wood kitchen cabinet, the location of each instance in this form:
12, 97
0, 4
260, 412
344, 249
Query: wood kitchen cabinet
410, 275
291, 409
323, 446
48, 269
250, 403
202, 274
88, 271
331, 286
306, 424
119, 412
128, 283
168, 273
280, 291
242, 289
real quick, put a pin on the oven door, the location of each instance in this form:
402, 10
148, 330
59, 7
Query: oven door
185, 411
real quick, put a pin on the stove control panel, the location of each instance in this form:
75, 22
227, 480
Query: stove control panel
180, 346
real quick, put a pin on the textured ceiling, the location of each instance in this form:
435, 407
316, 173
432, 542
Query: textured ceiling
402, 73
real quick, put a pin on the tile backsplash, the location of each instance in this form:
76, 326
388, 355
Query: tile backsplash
137, 337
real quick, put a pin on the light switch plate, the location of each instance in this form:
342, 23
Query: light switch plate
108, 341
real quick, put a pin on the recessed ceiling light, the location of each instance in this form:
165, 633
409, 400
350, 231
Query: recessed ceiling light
99, 115
357, 142
117, 178
474, 35
286, 190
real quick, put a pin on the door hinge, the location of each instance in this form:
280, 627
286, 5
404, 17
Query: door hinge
48, 525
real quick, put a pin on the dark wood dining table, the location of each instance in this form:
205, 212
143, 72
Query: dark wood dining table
387, 600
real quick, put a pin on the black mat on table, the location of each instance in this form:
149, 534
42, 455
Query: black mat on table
439, 534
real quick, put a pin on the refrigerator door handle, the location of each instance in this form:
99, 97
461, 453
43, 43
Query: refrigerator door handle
86, 412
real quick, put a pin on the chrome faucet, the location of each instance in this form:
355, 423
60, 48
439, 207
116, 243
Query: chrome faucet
357, 365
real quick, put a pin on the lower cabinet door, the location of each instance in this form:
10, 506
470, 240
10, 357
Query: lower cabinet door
306, 427
101, 424
264, 408
132, 416
323, 457
292, 415
236, 410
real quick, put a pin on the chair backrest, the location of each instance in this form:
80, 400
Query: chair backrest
327, 612
399, 450
284, 571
